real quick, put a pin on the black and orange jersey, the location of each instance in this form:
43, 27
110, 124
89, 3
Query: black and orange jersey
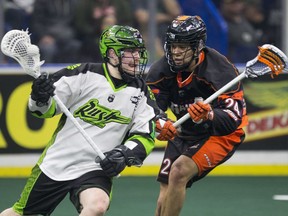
177, 90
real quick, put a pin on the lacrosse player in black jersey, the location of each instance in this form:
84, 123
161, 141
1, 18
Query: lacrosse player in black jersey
188, 74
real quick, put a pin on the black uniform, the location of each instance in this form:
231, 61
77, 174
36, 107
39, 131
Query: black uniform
177, 90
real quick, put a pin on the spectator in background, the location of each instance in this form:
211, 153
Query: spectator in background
242, 37
254, 13
93, 16
166, 11
124, 13
53, 30
17, 14
273, 11
90, 19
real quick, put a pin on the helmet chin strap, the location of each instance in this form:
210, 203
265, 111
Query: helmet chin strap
115, 69
195, 57
125, 76
197, 53
197, 60
114, 65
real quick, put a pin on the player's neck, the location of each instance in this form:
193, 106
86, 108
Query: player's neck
114, 72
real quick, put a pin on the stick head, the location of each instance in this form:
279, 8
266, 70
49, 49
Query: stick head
270, 59
17, 45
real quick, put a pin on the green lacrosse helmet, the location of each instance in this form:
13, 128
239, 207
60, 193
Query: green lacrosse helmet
120, 38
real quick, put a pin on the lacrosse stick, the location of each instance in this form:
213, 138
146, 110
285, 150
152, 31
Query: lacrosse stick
17, 45
270, 59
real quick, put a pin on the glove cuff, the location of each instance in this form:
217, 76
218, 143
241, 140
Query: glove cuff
129, 156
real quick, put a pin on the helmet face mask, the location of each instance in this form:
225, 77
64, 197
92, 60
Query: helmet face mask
189, 31
180, 55
132, 63
129, 47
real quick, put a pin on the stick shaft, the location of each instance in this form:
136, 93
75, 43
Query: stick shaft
212, 97
78, 126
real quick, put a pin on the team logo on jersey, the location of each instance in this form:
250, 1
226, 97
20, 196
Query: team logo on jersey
178, 108
93, 113
111, 98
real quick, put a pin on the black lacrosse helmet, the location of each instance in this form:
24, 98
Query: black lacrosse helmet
185, 29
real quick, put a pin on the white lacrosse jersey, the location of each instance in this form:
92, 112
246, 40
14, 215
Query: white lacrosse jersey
111, 115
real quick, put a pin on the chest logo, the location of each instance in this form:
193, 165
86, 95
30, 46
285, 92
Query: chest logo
93, 113
111, 98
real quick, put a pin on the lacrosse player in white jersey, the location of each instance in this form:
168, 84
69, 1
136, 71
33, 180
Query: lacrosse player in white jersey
114, 106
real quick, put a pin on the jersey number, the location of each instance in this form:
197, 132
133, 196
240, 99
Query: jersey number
230, 103
166, 166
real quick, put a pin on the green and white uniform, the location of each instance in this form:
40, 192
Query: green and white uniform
111, 113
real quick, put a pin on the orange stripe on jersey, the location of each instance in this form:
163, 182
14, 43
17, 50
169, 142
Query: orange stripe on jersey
160, 80
215, 150
155, 91
237, 96
188, 80
244, 122
181, 83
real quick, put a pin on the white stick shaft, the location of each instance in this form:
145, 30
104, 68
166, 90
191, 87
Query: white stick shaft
212, 97
81, 130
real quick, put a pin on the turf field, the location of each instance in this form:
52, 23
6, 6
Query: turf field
213, 196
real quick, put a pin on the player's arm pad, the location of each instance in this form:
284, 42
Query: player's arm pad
117, 159
223, 124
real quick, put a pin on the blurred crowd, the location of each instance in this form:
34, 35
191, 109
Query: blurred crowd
68, 31
250, 23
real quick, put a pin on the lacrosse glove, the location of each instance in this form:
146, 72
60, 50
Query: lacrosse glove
117, 159
42, 90
200, 112
165, 129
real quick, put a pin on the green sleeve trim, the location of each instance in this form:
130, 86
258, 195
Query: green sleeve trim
153, 131
148, 143
50, 112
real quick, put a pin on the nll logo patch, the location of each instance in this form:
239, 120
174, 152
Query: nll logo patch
111, 98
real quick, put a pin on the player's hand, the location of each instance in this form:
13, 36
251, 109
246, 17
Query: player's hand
200, 112
117, 159
165, 129
42, 89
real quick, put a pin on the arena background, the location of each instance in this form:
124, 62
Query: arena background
252, 183
265, 150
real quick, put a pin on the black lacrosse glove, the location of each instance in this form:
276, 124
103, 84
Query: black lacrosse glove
116, 160
42, 90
